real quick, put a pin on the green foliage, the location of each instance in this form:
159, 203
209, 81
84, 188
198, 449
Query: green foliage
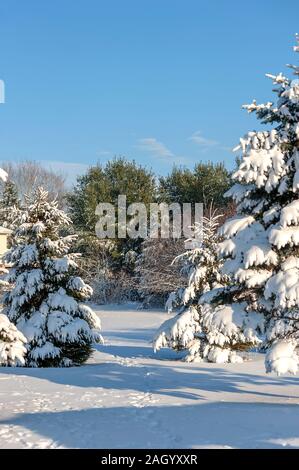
206, 183
105, 184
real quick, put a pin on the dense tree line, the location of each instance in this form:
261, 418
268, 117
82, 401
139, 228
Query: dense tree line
206, 183
109, 263
122, 267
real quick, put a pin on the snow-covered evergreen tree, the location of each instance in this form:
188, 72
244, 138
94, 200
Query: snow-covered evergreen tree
12, 344
262, 242
9, 205
45, 302
200, 264
201, 327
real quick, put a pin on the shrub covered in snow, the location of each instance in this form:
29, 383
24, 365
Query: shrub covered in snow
282, 358
12, 344
261, 243
45, 301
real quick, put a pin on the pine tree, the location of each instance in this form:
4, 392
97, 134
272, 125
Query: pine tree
9, 205
45, 302
12, 344
262, 241
202, 327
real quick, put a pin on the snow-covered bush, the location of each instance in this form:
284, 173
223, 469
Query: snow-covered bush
202, 327
45, 301
12, 344
282, 358
262, 242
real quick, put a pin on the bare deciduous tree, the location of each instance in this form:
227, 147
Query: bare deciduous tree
156, 275
28, 175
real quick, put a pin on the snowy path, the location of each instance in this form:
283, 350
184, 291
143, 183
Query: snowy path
128, 397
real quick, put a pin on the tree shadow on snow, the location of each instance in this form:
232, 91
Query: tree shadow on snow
243, 425
180, 380
139, 335
139, 352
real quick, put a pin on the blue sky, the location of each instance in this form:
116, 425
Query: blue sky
160, 81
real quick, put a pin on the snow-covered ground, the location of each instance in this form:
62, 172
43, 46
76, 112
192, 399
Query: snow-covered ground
128, 397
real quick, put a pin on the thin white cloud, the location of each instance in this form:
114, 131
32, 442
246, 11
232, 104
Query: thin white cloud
202, 141
205, 144
155, 147
103, 153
